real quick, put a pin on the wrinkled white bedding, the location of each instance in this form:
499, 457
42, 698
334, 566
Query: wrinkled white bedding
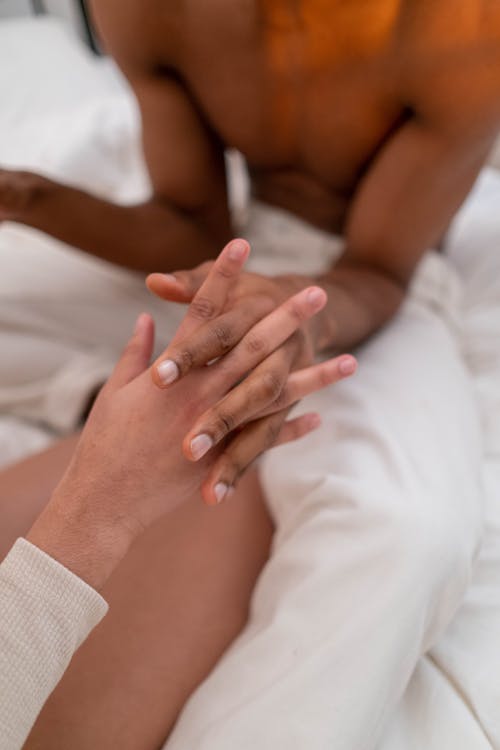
66, 114
69, 116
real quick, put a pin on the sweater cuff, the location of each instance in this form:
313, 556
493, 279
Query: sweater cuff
46, 613
43, 580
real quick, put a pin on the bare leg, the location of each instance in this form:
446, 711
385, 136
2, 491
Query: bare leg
176, 603
25, 488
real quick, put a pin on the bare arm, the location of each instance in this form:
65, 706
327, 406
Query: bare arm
402, 208
418, 181
187, 212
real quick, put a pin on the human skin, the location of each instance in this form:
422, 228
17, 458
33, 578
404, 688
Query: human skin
177, 601
127, 475
128, 470
371, 120
343, 112
412, 113
330, 86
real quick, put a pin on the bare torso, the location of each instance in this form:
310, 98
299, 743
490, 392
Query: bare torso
303, 93
311, 91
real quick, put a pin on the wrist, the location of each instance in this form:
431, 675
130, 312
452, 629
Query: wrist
78, 537
361, 300
20, 193
317, 325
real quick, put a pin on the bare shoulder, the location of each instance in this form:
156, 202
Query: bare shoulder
452, 65
135, 32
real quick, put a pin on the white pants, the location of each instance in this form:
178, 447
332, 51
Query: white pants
378, 513
379, 519
453, 700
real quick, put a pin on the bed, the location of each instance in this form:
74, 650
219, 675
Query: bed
60, 87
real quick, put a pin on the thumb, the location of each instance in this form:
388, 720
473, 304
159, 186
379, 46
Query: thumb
180, 286
137, 354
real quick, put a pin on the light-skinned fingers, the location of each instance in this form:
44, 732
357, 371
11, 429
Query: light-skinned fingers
242, 404
301, 383
241, 452
136, 355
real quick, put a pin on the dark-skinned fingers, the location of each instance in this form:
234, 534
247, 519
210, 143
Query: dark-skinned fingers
183, 286
271, 332
206, 344
301, 383
243, 403
207, 304
297, 428
179, 286
210, 342
238, 456
211, 297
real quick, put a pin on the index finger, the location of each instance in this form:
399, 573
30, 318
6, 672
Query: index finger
208, 302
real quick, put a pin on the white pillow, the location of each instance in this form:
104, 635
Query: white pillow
45, 68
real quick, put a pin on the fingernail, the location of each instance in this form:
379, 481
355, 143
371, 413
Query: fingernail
170, 277
220, 491
347, 366
167, 371
200, 445
237, 250
315, 296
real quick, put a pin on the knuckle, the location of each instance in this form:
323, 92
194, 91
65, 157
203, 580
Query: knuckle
270, 386
223, 271
273, 429
223, 337
185, 359
224, 423
254, 344
203, 308
281, 400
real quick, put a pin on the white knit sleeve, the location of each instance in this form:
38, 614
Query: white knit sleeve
46, 612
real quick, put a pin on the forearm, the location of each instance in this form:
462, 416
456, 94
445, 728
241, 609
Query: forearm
360, 301
148, 236
77, 535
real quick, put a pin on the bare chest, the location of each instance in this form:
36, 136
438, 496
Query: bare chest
288, 90
304, 94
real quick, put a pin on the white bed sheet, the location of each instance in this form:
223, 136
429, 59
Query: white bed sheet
67, 114
47, 77
45, 69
